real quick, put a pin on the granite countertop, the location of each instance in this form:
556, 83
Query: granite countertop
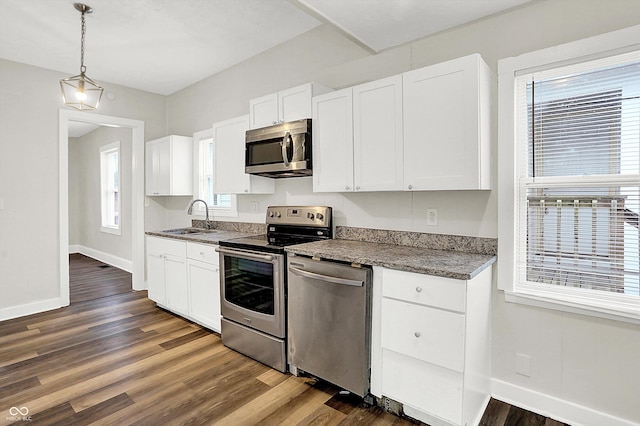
207, 236
443, 263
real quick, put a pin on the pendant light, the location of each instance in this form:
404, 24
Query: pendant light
80, 91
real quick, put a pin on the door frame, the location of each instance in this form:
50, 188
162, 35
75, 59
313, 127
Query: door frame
137, 193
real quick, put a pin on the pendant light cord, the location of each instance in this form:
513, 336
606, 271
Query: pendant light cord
84, 29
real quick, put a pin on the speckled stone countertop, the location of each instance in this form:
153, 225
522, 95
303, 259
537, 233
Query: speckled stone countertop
220, 231
443, 263
207, 236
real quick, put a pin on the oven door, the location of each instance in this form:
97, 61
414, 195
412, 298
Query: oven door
252, 289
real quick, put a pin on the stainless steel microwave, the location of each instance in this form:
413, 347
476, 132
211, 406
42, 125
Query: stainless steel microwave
279, 151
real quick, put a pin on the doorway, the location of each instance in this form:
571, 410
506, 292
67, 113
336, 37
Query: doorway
137, 193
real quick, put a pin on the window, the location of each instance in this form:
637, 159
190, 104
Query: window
575, 194
110, 188
219, 204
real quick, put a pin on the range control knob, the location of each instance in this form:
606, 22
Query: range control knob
319, 216
270, 214
278, 214
310, 215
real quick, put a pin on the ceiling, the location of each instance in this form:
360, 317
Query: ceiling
163, 46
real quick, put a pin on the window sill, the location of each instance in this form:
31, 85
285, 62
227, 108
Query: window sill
108, 230
557, 303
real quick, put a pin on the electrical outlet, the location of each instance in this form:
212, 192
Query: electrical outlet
253, 206
523, 365
432, 217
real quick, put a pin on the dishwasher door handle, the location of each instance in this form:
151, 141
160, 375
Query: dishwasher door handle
328, 278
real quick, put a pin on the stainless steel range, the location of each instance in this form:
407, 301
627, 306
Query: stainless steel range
254, 281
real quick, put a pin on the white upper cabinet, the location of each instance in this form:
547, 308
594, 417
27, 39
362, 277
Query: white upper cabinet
286, 105
168, 166
377, 135
446, 126
357, 138
332, 127
229, 159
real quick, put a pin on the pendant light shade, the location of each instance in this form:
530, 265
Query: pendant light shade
79, 91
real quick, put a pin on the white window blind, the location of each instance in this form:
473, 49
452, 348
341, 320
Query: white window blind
578, 153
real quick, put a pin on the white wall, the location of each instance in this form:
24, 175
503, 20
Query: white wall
30, 101
575, 359
84, 192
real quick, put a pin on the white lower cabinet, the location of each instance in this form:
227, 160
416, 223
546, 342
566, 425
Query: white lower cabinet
184, 278
203, 276
431, 345
167, 277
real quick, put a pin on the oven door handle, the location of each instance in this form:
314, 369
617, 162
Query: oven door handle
248, 255
328, 278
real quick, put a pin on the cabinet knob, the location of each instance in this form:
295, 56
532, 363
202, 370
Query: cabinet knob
417, 334
202, 253
418, 289
357, 188
246, 190
347, 187
410, 186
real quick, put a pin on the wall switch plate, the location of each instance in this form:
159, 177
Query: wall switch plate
253, 206
432, 217
523, 365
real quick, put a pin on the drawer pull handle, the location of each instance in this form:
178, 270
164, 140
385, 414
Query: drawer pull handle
418, 289
417, 334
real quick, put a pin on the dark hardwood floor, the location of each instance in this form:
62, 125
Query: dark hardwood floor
120, 360
91, 279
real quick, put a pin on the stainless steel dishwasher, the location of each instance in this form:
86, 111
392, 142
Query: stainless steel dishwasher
329, 322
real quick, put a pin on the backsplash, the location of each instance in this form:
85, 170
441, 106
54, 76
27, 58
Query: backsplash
460, 243
246, 227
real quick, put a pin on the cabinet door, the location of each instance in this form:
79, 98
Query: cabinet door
229, 141
155, 277
230, 178
442, 127
333, 142
263, 111
204, 293
295, 103
175, 269
429, 388
158, 167
377, 135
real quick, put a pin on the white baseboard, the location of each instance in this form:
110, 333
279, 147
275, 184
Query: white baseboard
30, 308
109, 259
553, 407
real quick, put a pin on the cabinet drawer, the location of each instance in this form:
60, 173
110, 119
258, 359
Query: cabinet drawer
434, 390
203, 252
424, 333
159, 245
445, 293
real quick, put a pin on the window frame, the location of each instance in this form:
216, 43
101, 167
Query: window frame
198, 208
582, 51
104, 205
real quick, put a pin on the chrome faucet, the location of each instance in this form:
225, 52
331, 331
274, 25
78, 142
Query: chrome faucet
207, 224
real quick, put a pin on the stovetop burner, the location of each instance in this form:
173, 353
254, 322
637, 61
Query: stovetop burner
287, 226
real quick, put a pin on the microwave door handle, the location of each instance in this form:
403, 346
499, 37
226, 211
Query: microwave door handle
285, 144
